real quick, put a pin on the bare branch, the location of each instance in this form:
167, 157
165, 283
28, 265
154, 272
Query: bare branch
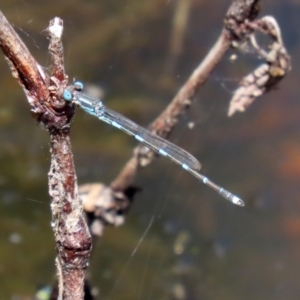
24, 67
239, 13
71, 233
72, 237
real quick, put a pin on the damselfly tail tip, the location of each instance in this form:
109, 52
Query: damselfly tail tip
236, 200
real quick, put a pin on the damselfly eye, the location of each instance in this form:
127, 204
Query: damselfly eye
78, 86
67, 95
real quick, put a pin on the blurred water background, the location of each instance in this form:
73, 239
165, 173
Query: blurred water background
197, 246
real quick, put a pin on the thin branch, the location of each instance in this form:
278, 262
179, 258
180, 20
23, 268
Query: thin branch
72, 237
24, 67
238, 14
166, 121
71, 232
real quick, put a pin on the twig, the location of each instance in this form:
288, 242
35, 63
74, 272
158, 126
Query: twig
71, 233
165, 122
72, 237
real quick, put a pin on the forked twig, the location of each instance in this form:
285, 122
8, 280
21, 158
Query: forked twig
43, 92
